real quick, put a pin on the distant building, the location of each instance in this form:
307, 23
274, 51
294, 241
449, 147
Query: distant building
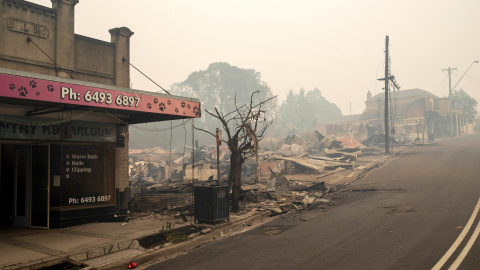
415, 113
412, 111
460, 122
348, 118
65, 107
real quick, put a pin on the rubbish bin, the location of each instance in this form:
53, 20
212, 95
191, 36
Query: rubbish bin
211, 203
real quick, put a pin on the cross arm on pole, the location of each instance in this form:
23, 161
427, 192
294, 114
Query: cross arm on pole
392, 79
388, 78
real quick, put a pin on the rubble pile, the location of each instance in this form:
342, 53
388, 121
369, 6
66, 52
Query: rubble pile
279, 195
375, 139
156, 170
291, 170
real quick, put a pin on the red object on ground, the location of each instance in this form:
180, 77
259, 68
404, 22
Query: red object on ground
349, 143
132, 265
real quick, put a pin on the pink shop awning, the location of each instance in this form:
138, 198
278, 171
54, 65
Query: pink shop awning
49, 94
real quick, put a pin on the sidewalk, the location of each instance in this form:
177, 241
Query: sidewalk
21, 248
96, 245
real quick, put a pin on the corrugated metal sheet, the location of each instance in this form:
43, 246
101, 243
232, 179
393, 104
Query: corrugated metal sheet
161, 202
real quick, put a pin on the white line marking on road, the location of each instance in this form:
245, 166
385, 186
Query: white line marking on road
466, 249
459, 240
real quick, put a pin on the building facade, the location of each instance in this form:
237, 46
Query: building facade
411, 111
65, 108
417, 113
455, 121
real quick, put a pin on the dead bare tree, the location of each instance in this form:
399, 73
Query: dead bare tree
244, 127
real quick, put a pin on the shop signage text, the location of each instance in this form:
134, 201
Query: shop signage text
51, 91
27, 27
74, 131
83, 175
409, 121
76, 164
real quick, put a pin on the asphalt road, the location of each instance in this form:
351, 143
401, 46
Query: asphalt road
404, 215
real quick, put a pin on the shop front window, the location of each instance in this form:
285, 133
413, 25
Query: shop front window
82, 175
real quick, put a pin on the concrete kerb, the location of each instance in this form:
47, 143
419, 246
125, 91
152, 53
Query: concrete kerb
103, 250
77, 258
218, 231
35, 264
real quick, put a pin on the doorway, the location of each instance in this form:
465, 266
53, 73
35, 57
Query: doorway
40, 186
24, 184
21, 186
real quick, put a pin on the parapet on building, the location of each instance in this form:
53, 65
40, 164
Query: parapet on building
65, 107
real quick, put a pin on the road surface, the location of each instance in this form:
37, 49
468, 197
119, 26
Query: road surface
404, 215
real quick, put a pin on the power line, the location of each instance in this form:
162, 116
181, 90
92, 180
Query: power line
440, 86
473, 80
161, 129
14, 120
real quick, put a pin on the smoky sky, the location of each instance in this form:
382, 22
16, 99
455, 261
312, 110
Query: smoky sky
335, 46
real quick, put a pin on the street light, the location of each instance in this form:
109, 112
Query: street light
474, 62
450, 97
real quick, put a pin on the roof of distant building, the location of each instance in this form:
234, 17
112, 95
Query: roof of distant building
401, 110
350, 118
404, 94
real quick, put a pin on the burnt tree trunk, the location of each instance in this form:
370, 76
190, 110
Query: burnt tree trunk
244, 130
235, 177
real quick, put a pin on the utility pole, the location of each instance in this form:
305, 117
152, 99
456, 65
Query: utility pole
388, 78
450, 90
450, 98
387, 139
